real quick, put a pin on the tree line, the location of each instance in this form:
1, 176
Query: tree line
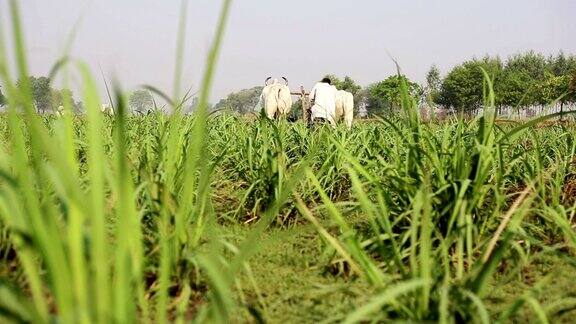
520, 81
48, 99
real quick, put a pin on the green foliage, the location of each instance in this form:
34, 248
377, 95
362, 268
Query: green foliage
296, 112
518, 84
141, 101
47, 99
463, 87
554, 88
562, 64
41, 91
242, 101
512, 86
433, 84
385, 96
522, 80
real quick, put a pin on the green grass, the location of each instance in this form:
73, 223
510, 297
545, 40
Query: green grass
295, 283
176, 218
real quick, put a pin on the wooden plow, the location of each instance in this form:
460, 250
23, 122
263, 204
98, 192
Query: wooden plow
305, 100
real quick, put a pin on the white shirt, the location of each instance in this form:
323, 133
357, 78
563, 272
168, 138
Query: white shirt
324, 97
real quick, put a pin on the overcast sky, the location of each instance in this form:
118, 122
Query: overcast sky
134, 40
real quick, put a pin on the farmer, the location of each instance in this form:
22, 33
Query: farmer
323, 101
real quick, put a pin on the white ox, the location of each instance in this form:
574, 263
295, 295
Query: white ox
344, 107
107, 109
60, 111
275, 98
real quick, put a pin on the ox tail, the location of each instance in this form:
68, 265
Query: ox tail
281, 103
271, 102
278, 97
284, 100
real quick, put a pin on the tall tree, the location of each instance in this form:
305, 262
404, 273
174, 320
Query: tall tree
41, 91
525, 79
518, 84
561, 64
555, 88
433, 84
385, 96
141, 101
463, 88
531, 63
243, 101
514, 88
563, 78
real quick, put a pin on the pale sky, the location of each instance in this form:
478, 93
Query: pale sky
303, 40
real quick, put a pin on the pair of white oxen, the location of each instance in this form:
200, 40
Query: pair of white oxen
277, 102
105, 109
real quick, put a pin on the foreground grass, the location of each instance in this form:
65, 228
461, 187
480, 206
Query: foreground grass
285, 208
291, 282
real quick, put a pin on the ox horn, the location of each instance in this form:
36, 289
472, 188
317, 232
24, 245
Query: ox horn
285, 80
267, 79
